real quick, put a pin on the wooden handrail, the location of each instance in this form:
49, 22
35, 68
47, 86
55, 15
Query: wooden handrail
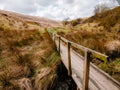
81, 47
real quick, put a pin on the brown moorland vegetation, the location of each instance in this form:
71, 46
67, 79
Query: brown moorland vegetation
28, 58
100, 32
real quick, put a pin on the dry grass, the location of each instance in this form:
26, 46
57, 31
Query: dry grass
24, 49
94, 32
100, 32
107, 19
43, 22
27, 54
87, 39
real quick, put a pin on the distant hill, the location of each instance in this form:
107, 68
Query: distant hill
44, 22
107, 19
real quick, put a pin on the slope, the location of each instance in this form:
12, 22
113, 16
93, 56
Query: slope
43, 22
28, 58
100, 32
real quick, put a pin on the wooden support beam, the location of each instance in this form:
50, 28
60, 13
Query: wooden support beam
59, 44
69, 59
86, 70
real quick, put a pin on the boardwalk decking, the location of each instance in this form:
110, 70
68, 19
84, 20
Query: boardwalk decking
98, 80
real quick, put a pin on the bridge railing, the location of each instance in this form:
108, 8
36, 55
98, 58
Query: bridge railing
88, 56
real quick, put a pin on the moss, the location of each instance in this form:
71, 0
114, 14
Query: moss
53, 59
112, 68
102, 58
106, 68
116, 64
61, 31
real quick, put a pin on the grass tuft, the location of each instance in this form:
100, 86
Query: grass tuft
5, 79
24, 59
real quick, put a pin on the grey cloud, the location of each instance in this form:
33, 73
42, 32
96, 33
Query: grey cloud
118, 1
2, 1
25, 6
45, 2
67, 1
69, 8
55, 9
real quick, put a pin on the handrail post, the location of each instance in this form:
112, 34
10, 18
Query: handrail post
69, 59
59, 44
86, 70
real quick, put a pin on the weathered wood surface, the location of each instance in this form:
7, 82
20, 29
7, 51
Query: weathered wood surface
98, 80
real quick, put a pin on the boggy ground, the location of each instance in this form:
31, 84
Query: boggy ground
28, 56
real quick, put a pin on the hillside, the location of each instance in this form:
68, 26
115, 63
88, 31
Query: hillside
43, 22
100, 32
28, 58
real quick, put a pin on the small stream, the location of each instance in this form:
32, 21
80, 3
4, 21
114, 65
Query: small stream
64, 82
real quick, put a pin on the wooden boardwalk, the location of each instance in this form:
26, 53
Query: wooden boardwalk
86, 75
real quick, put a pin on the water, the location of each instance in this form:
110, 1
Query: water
64, 82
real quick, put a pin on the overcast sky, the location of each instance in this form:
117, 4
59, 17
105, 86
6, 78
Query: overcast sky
54, 9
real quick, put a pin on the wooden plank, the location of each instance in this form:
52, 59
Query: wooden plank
86, 70
69, 59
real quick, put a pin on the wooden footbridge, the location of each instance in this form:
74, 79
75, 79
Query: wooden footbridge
86, 75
